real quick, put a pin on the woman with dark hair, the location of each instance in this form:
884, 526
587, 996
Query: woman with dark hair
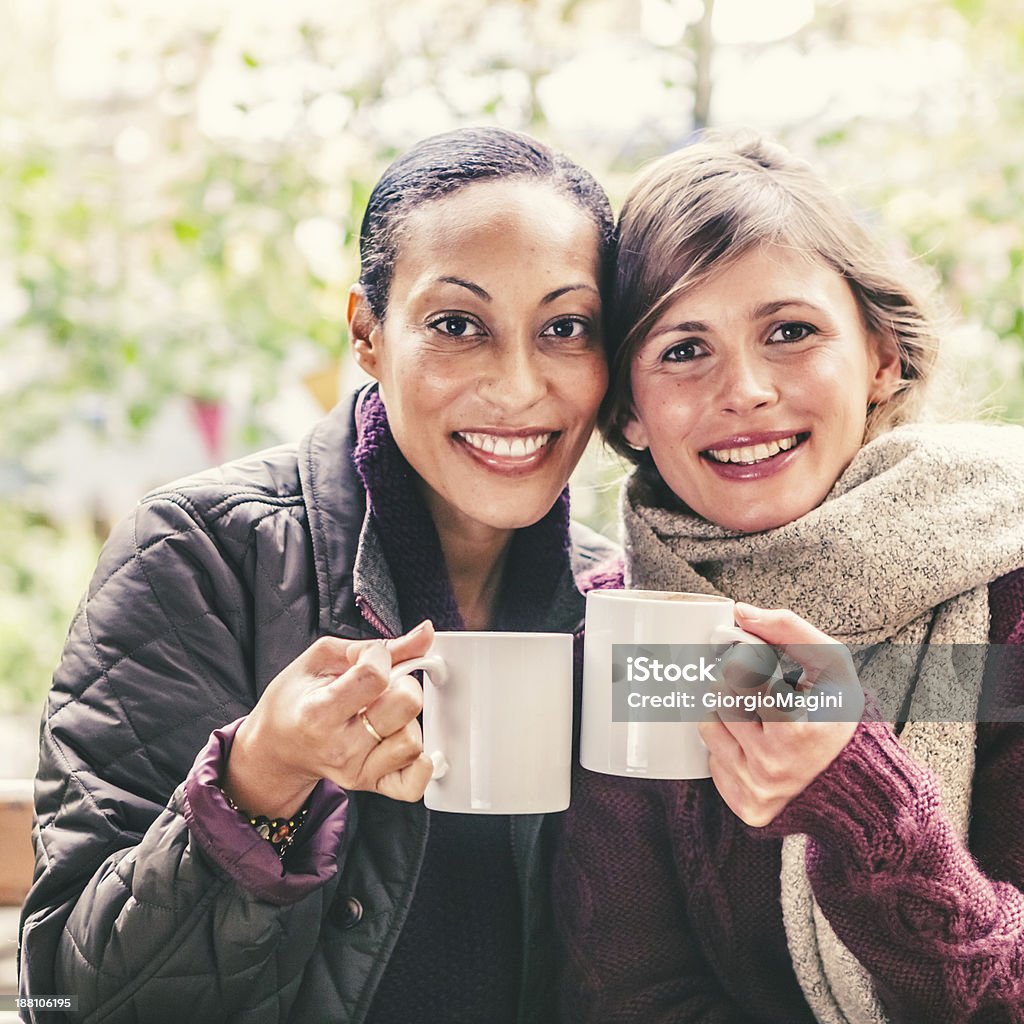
230, 824
767, 369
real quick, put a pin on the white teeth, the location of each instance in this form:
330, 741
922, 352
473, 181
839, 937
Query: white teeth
752, 453
505, 447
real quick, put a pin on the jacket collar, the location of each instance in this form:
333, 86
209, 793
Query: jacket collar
336, 506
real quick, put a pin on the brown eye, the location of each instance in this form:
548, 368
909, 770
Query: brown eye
791, 332
567, 327
455, 326
682, 351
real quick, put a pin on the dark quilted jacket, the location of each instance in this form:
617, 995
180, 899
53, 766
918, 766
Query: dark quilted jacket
200, 598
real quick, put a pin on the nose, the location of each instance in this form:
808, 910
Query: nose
514, 379
746, 383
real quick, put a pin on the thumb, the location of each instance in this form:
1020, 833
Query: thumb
413, 644
818, 654
779, 626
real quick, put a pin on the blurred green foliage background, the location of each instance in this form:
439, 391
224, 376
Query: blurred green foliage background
181, 187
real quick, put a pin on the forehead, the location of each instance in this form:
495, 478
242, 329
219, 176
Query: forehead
765, 274
528, 215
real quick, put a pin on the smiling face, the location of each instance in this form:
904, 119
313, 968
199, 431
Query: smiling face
752, 390
489, 356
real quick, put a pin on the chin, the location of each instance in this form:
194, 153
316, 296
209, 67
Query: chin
505, 519
758, 521
513, 515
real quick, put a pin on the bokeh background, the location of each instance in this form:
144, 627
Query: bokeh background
181, 186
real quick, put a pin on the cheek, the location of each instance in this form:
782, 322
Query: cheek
417, 382
667, 415
593, 386
840, 384
577, 386
847, 409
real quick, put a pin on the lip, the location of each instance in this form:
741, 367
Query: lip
507, 431
756, 470
508, 465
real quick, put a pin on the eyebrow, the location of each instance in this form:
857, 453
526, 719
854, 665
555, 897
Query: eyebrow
559, 292
479, 292
686, 327
549, 298
757, 313
767, 308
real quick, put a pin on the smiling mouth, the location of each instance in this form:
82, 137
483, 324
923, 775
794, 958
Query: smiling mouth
750, 455
503, 446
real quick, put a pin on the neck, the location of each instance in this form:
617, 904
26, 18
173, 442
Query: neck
475, 556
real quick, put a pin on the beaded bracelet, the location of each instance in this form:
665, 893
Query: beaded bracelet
280, 832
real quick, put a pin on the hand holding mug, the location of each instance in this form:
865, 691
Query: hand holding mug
336, 712
760, 764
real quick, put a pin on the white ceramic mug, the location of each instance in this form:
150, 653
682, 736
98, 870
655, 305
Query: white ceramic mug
497, 721
645, 618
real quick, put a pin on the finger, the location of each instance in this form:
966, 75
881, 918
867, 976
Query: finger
413, 644
720, 741
356, 647
396, 752
816, 652
754, 674
407, 783
331, 655
728, 712
746, 733
778, 710
726, 763
749, 668
399, 704
364, 682
780, 626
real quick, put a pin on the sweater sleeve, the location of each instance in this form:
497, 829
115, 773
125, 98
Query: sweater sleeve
136, 902
629, 953
938, 925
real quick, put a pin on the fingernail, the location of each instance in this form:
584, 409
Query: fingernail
376, 655
420, 628
748, 611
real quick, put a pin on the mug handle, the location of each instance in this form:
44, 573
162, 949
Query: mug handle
437, 673
735, 635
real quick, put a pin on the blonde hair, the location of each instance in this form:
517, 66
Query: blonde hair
694, 211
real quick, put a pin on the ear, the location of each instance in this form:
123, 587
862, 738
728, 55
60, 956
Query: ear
888, 369
635, 434
363, 331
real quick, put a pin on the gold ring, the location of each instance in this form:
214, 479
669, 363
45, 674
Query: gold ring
369, 726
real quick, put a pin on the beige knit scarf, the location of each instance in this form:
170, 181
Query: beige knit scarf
900, 552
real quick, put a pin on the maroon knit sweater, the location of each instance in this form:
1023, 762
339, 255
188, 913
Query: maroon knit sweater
668, 905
